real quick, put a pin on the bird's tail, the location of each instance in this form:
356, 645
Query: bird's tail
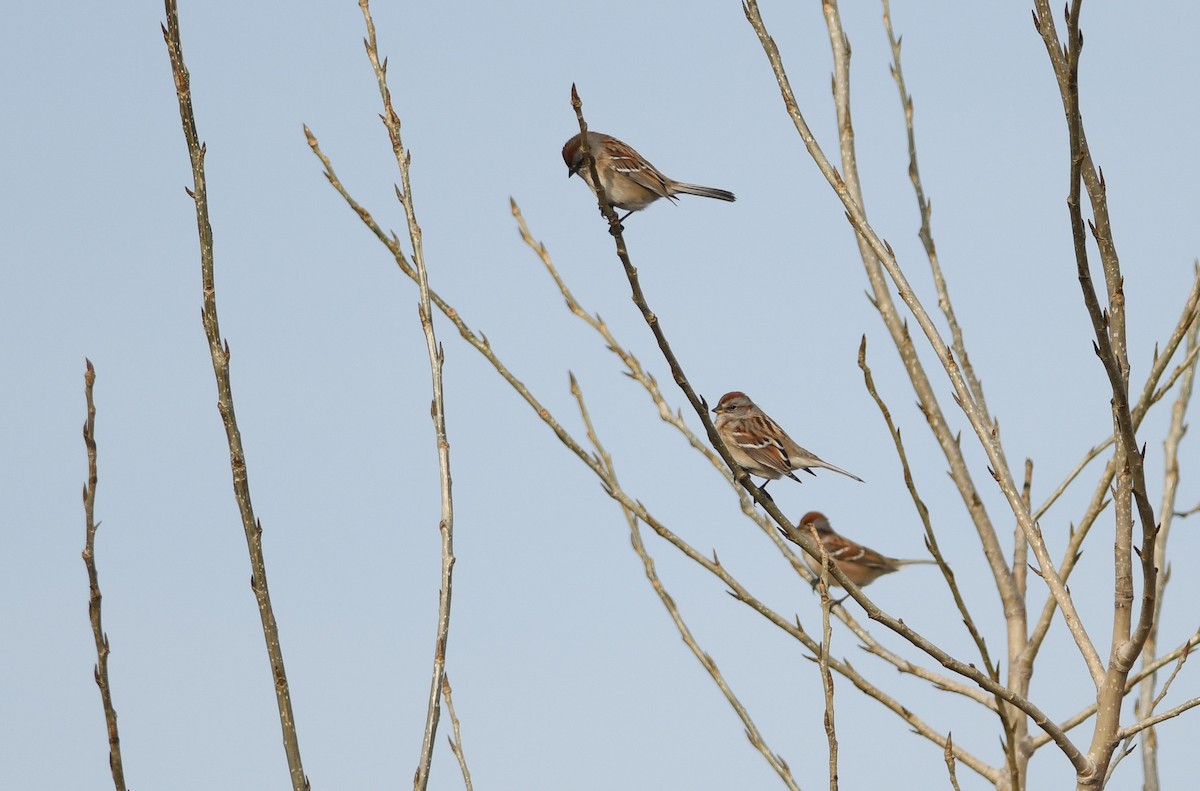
915, 562
703, 192
828, 466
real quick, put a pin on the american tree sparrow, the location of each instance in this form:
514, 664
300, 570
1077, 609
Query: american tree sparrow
860, 564
630, 182
759, 445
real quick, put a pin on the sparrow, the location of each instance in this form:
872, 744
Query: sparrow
861, 565
759, 445
630, 181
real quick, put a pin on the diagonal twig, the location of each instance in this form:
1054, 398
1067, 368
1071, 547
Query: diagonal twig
456, 739
775, 761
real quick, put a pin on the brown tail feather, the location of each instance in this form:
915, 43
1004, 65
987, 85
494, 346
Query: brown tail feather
704, 192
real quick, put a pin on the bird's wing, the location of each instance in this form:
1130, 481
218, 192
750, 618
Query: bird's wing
844, 550
628, 162
760, 439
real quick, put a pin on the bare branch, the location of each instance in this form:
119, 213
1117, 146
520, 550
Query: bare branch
775, 761
923, 510
89, 559
219, 351
1108, 326
633, 366
1147, 701
438, 411
925, 208
823, 665
949, 755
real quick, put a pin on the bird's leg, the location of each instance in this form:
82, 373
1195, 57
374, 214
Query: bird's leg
618, 226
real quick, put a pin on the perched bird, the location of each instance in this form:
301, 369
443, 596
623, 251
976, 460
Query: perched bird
759, 445
630, 182
860, 564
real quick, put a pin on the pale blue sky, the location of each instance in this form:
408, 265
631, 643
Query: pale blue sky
566, 670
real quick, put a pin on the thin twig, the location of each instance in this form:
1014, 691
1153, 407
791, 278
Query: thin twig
437, 410
1162, 693
1012, 724
1150, 722
823, 663
1121, 754
89, 560
923, 512
925, 208
775, 761
948, 753
1147, 701
456, 739
220, 358
1152, 391
633, 366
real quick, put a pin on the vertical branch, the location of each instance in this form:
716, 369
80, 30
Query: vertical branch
89, 560
438, 408
1146, 697
1016, 728
925, 207
823, 659
1109, 329
1109, 346
220, 359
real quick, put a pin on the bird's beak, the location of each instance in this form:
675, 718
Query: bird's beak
716, 410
